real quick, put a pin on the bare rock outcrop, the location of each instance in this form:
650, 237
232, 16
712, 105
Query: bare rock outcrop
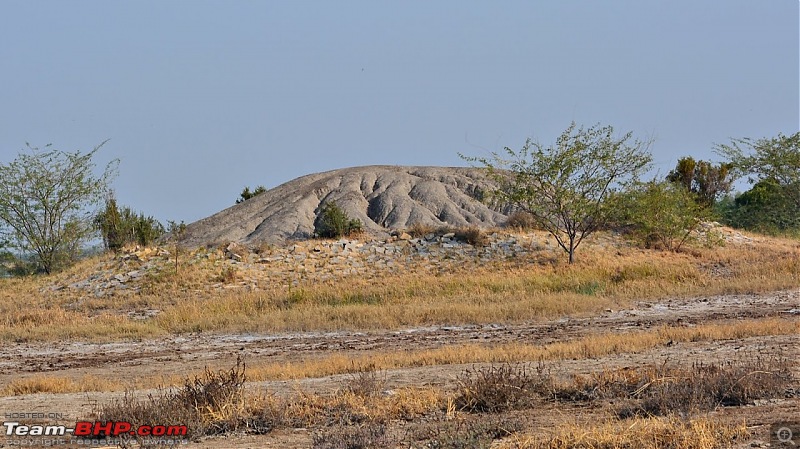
382, 197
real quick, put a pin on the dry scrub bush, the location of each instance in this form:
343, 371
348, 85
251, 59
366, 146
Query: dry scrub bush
520, 220
497, 388
209, 404
228, 275
703, 387
665, 389
366, 382
418, 230
650, 390
472, 235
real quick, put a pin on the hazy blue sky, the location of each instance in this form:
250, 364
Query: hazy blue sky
201, 98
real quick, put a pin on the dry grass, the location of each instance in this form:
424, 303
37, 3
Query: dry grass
593, 346
608, 275
506, 292
57, 384
418, 230
303, 409
639, 433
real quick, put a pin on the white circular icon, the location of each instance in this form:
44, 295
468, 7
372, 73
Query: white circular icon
785, 435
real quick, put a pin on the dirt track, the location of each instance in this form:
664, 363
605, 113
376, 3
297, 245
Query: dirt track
183, 353
125, 362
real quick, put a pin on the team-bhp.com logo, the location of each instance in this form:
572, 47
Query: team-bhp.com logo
96, 429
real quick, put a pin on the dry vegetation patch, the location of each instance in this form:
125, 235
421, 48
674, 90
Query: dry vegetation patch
360, 415
639, 433
593, 346
210, 293
653, 390
364, 367
208, 404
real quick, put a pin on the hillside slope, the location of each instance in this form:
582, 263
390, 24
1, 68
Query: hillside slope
382, 197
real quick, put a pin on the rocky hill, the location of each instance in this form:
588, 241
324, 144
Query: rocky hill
382, 197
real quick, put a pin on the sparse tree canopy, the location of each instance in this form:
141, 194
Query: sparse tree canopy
247, 194
564, 187
777, 158
46, 198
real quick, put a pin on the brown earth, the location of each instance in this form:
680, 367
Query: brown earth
125, 362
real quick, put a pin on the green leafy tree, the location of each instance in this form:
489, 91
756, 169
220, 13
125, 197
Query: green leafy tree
109, 223
708, 182
46, 201
247, 194
141, 229
660, 213
333, 222
773, 167
766, 208
564, 187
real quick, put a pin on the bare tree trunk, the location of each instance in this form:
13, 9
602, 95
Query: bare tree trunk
571, 251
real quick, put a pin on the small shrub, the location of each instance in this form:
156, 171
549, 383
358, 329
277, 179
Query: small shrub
418, 230
521, 220
333, 222
713, 238
264, 248
366, 382
703, 387
247, 194
472, 235
217, 396
209, 404
497, 388
228, 275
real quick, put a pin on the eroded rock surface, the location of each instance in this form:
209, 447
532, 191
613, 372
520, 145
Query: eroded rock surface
382, 197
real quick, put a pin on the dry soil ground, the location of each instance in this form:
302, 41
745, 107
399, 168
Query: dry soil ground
128, 361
